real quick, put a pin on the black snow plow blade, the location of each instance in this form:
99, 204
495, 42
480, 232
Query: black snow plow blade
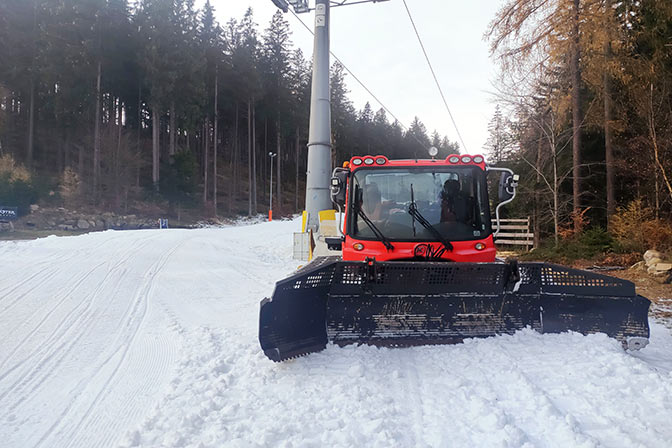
417, 303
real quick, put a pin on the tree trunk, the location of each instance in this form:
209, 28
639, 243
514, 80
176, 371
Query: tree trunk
556, 201
266, 164
249, 157
117, 159
96, 134
206, 168
234, 163
156, 127
171, 148
66, 150
537, 195
215, 144
608, 148
254, 159
31, 123
576, 113
31, 107
278, 149
656, 186
138, 141
654, 141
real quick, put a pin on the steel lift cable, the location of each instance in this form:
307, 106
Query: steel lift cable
443, 97
405, 128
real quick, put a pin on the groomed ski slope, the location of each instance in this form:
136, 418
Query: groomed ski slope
149, 338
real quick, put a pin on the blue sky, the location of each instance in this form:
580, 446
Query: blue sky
377, 42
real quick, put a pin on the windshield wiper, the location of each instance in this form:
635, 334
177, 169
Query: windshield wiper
417, 216
376, 231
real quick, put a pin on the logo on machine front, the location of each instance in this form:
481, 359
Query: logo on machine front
428, 251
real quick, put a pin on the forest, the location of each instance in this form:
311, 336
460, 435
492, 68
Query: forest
584, 106
115, 103
111, 104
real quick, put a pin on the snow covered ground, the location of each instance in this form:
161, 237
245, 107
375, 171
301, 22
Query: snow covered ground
149, 338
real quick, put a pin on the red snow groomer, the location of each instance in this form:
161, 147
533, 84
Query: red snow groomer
418, 267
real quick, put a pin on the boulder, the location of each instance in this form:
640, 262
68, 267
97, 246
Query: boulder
34, 208
649, 254
83, 224
653, 261
663, 267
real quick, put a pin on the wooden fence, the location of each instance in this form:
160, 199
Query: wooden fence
514, 232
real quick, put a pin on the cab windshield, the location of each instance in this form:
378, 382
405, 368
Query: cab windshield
453, 200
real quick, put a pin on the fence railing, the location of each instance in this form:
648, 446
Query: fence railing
514, 232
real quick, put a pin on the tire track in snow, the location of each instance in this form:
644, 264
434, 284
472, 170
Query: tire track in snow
39, 266
413, 391
88, 300
133, 321
71, 329
45, 348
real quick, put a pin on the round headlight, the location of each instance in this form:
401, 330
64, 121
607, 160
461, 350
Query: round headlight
368, 161
380, 161
433, 151
478, 159
358, 246
454, 159
479, 246
356, 162
466, 159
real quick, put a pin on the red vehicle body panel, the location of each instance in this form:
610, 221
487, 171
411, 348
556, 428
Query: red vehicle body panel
463, 251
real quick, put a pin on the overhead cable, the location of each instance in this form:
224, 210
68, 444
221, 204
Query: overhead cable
443, 97
362, 84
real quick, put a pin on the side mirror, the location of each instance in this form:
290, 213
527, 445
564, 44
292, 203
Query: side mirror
507, 186
339, 182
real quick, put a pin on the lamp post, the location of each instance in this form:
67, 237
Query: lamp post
271, 155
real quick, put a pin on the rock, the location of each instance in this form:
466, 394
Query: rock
65, 227
34, 207
82, 224
100, 224
649, 254
653, 261
663, 267
51, 223
640, 266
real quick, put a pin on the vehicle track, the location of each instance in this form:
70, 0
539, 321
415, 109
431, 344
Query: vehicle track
114, 361
68, 320
38, 266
